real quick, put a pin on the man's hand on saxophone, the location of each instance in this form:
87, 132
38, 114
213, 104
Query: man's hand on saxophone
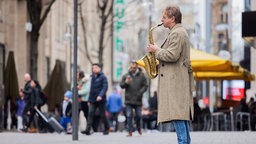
152, 48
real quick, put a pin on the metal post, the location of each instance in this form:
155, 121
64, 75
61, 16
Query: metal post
71, 62
208, 25
232, 118
75, 96
150, 25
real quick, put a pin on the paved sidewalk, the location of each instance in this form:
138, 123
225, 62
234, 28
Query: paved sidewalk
120, 138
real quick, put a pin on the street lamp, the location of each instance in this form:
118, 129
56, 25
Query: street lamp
225, 51
68, 37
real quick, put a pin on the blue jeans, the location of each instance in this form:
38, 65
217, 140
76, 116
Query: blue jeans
129, 115
182, 131
64, 121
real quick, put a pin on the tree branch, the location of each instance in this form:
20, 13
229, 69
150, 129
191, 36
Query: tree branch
84, 33
110, 11
98, 5
46, 13
30, 11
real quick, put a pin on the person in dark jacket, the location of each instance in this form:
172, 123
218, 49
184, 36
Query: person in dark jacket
97, 98
151, 113
34, 102
27, 90
135, 84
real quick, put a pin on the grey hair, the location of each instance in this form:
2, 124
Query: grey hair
174, 11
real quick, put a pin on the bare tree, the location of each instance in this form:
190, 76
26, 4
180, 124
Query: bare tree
104, 10
38, 11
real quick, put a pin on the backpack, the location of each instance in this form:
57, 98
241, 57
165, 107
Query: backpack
43, 98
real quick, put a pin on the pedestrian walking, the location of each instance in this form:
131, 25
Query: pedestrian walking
175, 80
20, 104
135, 84
114, 107
66, 111
150, 114
27, 90
97, 98
34, 102
84, 84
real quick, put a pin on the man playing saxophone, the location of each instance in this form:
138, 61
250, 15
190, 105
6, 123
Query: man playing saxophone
175, 77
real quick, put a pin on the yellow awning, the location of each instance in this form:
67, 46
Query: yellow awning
202, 61
211, 67
240, 74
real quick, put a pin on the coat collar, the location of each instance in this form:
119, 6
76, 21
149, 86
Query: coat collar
137, 72
178, 25
96, 75
175, 27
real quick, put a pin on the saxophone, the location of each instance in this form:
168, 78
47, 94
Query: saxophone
149, 61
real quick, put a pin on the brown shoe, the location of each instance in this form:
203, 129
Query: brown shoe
129, 134
139, 131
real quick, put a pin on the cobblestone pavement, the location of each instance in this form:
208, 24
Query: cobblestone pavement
245, 137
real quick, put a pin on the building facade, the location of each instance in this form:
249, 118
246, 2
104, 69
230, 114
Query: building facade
252, 91
207, 29
55, 41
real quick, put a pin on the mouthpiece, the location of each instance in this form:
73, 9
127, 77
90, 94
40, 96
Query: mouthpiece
160, 24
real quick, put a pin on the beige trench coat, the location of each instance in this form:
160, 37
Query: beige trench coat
175, 77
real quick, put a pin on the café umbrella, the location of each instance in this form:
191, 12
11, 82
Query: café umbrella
211, 67
11, 86
56, 86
